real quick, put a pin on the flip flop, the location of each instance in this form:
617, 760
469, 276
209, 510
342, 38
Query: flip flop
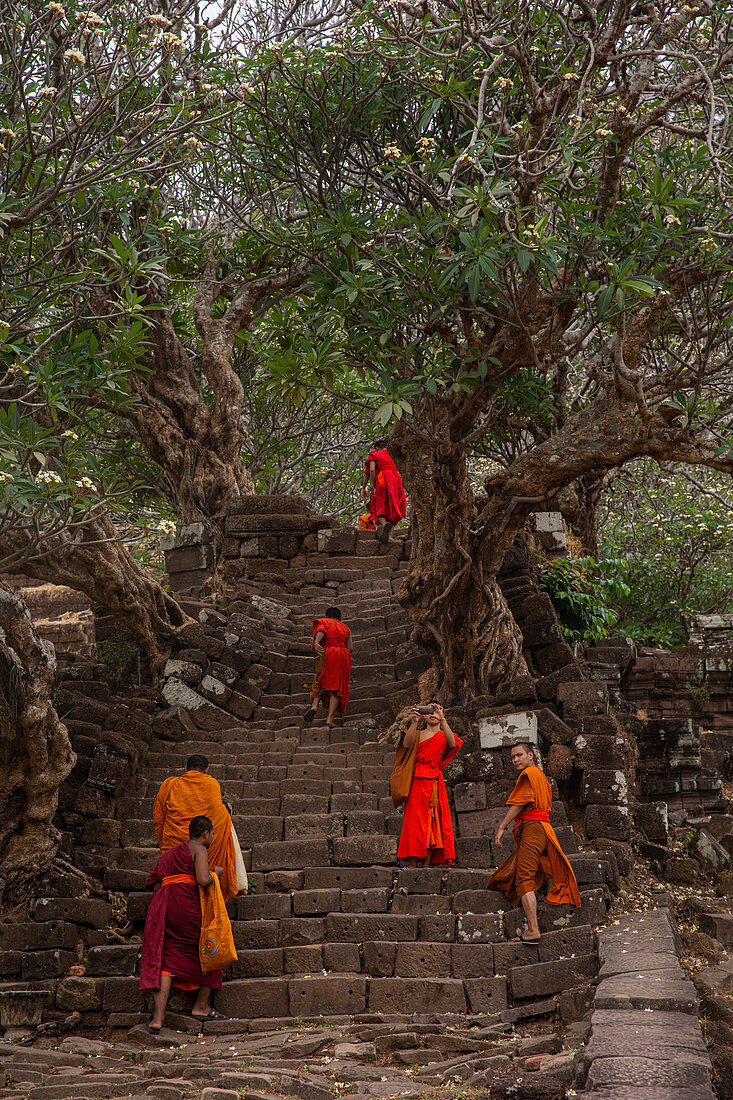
385, 531
154, 1030
528, 942
212, 1014
309, 715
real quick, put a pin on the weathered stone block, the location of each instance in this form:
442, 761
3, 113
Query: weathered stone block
404, 994
604, 787
79, 994
486, 994
330, 995
504, 729
543, 978
608, 821
253, 997
472, 960
379, 958
469, 797
423, 960
582, 700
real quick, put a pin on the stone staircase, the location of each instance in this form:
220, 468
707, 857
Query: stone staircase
332, 927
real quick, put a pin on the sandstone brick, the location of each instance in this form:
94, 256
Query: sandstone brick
543, 978
290, 854
480, 928
472, 960
79, 994
608, 821
559, 762
419, 904
307, 902
408, 995
39, 936
486, 994
314, 825
258, 963
342, 957
263, 906
303, 960
479, 901
418, 960
357, 928
566, 942
363, 850
440, 928
329, 995
469, 796
379, 958
254, 997
298, 931
364, 901
254, 934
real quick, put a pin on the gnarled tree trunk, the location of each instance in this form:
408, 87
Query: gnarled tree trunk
451, 592
35, 751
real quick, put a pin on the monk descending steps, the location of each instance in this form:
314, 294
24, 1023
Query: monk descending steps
537, 852
332, 645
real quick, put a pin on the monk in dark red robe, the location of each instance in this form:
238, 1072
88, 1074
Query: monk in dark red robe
170, 949
383, 487
427, 835
332, 645
537, 851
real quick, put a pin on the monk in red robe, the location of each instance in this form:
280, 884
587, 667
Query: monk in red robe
170, 950
382, 486
193, 794
537, 852
427, 835
332, 645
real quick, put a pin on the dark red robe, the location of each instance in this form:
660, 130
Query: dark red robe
173, 926
336, 671
388, 495
424, 825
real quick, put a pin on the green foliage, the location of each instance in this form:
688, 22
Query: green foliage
120, 654
582, 591
677, 540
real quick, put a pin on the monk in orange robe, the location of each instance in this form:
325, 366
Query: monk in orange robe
196, 794
387, 500
427, 836
332, 645
537, 852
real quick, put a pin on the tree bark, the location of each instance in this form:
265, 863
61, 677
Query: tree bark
94, 560
451, 592
579, 502
35, 751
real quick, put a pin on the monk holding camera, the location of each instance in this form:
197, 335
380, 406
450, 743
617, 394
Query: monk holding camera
427, 831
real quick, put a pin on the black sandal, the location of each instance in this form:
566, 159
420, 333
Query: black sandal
521, 938
212, 1014
154, 1030
385, 531
310, 715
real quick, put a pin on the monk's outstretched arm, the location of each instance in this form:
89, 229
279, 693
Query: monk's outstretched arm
509, 816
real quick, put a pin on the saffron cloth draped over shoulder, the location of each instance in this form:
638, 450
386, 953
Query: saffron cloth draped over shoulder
388, 496
182, 797
335, 673
532, 790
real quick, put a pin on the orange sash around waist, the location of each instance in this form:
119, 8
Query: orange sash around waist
174, 880
534, 815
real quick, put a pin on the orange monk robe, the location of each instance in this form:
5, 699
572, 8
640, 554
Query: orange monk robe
182, 797
532, 787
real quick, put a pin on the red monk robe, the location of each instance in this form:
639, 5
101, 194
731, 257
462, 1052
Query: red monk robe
388, 496
173, 926
533, 790
336, 671
427, 822
182, 797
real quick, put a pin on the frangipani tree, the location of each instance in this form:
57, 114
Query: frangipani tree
518, 220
